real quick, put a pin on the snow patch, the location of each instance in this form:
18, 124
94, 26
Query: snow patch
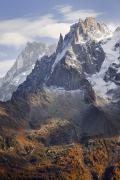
20, 78
58, 58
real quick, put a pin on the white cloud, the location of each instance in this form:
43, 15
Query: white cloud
63, 9
71, 15
18, 31
12, 38
5, 66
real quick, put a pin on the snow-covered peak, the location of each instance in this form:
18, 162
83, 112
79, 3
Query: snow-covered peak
81, 33
80, 37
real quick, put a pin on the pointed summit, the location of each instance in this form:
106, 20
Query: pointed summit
61, 37
60, 43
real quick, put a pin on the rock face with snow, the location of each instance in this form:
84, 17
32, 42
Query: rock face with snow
22, 67
75, 71
89, 29
108, 75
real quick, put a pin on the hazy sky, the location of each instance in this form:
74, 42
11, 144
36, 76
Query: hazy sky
44, 20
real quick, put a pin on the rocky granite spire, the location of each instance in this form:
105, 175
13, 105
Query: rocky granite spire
60, 44
89, 29
90, 22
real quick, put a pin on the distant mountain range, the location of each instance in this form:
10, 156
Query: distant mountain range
22, 67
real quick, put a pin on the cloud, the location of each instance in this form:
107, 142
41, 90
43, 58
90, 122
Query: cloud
63, 9
5, 66
17, 32
12, 38
71, 15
